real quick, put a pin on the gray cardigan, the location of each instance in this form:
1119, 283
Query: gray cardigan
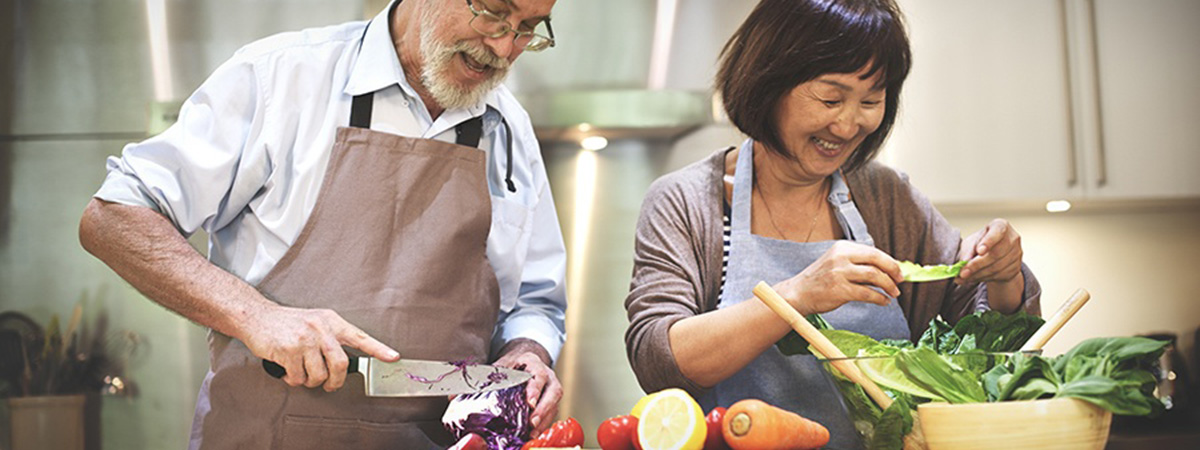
679, 244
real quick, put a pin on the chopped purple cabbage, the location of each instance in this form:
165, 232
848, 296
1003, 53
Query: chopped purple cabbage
461, 366
500, 417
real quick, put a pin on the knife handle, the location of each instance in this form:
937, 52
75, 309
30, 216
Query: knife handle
278, 371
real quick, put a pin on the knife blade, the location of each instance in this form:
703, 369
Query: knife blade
421, 378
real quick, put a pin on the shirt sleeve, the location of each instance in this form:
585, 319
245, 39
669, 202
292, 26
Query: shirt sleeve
540, 310
197, 173
666, 286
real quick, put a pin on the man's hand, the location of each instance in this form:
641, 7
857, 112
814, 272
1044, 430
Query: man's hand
308, 344
543, 391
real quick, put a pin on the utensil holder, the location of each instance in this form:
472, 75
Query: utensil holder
45, 422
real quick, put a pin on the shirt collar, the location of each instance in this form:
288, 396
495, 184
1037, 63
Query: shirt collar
378, 66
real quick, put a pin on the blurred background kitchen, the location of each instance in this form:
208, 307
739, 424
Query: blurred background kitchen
1074, 119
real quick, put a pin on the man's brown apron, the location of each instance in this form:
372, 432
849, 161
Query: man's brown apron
396, 244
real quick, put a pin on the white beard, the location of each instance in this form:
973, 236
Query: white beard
436, 59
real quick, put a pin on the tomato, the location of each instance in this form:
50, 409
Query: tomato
564, 433
533, 443
616, 433
715, 440
637, 444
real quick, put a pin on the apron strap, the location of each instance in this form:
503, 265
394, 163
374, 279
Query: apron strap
360, 110
848, 214
467, 133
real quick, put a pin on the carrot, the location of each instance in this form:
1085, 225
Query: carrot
755, 425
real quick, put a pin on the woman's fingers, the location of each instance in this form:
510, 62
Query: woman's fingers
864, 255
992, 233
872, 276
1003, 269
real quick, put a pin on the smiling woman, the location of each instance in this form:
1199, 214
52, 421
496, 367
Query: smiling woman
801, 204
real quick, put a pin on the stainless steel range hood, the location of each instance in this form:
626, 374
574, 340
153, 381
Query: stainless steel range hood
617, 113
627, 68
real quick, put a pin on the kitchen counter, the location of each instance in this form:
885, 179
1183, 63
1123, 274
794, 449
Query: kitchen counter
1172, 431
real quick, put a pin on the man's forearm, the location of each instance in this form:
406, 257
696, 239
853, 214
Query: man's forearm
145, 249
525, 345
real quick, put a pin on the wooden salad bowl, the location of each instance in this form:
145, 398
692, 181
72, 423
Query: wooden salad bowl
1060, 423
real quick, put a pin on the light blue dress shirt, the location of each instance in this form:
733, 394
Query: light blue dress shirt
247, 156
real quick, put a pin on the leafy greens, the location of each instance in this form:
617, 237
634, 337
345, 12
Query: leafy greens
969, 363
917, 273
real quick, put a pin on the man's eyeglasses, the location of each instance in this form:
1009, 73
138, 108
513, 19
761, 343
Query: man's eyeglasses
494, 25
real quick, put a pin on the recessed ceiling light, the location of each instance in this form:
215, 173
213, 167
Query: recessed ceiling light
593, 143
1057, 206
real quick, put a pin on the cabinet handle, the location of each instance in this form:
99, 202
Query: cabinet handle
1079, 29
1101, 157
1073, 140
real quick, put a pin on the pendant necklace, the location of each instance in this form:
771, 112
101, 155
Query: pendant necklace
771, 216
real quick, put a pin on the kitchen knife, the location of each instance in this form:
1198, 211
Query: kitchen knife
418, 378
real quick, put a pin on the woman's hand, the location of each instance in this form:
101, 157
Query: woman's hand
846, 272
993, 254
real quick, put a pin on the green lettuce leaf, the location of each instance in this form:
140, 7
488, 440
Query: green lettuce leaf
941, 377
895, 423
994, 331
792, 344
917, 273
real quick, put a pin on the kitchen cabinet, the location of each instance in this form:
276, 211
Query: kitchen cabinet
1031, 100
985, 112
1147, 58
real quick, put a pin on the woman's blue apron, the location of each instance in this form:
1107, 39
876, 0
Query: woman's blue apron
796, 383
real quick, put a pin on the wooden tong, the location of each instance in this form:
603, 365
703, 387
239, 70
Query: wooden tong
915, 440
1051, 327
810, 333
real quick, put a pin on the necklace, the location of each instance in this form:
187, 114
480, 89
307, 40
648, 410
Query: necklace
771, 216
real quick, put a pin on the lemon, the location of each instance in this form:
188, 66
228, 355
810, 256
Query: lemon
641, 404
670, 420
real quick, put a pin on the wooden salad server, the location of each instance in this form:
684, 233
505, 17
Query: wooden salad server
767, 294
1051, 327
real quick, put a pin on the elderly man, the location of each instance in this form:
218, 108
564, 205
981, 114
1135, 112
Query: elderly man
368, 185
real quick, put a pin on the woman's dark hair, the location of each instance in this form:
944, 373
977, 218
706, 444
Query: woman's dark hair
784, 43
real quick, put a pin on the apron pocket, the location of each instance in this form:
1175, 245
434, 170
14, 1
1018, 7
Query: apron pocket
303, 432
507, 245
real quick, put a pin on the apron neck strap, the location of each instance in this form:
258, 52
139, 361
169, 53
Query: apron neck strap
360, 110
848, 216
743, 185
467, 133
